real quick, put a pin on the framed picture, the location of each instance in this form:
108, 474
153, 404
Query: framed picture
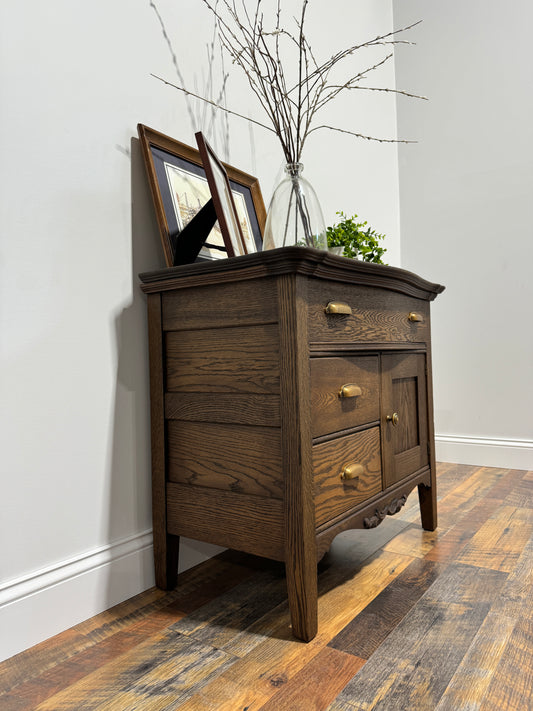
179, 187
220, 189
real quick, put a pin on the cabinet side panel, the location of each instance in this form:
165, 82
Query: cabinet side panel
166, 548
236, 458
246, 523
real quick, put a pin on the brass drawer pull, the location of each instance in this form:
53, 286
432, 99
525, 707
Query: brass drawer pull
414, 317
350, 390
393, 418
338, 307
352, 471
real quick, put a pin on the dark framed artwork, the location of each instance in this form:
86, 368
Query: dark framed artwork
180, 188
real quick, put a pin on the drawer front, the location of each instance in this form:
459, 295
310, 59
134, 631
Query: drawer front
366, 315
344, 393
356, 456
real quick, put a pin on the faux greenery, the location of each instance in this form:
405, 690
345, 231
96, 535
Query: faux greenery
359, 240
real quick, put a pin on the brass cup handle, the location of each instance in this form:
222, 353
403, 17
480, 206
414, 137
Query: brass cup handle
394, 418
338, 307
350, 390
352, 471
414, 317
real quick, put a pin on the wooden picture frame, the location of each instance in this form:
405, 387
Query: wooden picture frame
225, 210
172, 165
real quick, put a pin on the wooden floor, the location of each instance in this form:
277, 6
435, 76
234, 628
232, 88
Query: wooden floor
407, 620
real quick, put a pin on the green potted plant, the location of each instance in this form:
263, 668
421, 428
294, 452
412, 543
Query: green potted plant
355, 240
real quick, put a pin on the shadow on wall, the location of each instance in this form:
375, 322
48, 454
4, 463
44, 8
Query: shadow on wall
129, 499
129, 495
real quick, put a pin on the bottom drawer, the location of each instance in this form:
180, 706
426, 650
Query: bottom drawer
347, 471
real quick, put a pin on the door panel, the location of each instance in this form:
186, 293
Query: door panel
404, 426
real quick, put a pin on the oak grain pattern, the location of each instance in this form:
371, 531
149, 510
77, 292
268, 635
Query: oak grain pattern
251, 524
378, 315
317, 684
219, 306
364, 634
299, 507
329, 411
244, 409
334, 495
238, 458
231, 360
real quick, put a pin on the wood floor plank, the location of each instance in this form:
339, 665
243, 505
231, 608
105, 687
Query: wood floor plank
317, 684
449, 545
500, 541
217, 622
36, 690
445, 621
414, 665
470, 682
511, 687
516, 599
270, 661
366, 632
163, 670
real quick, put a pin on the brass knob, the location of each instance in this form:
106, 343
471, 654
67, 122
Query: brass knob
414, 317
350, 390
338, 307
393, 418
352, 471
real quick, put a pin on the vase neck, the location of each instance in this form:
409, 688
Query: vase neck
294, 170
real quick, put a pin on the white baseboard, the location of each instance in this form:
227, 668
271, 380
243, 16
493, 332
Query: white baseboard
48, 601
485, 451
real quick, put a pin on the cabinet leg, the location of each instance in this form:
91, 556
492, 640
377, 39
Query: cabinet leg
427, 497
166, 553
303, 598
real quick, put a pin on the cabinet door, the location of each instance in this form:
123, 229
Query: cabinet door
404, 419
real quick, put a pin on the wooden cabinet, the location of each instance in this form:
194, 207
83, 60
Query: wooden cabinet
290, 400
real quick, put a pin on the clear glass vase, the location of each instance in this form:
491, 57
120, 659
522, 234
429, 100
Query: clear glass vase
294, 216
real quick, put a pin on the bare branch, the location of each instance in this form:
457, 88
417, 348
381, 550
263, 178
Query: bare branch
208, 101
360, 135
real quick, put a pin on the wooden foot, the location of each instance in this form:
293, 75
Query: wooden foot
427, 497
166, 554
303, 598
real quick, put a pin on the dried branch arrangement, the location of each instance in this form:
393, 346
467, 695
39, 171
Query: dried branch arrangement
264, 49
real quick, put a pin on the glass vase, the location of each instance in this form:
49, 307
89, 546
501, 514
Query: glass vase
294, 217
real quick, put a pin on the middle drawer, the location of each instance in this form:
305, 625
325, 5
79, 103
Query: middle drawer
344, 393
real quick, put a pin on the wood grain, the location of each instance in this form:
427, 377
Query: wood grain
377, 315
334, 495
329, 411
317, 684
248, 523
244, 409
238, 458
254, 302
366, 632
500, 541
228, 360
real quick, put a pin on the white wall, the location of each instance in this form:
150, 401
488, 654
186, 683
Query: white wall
465, 194
77, 226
